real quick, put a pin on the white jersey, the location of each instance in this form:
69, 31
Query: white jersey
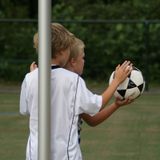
69, 98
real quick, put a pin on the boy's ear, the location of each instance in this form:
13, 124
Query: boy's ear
72, 61
61, 52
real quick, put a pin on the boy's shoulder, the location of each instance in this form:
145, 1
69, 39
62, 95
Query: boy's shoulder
32, 74
64, 72
65, 76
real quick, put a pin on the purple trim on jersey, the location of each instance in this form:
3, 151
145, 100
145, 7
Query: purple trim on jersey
72, 118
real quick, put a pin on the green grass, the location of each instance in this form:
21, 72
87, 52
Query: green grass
131, 133
13, 127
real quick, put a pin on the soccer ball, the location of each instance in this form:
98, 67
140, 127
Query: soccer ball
133, 86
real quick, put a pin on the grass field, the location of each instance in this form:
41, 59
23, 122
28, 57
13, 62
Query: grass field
131, 133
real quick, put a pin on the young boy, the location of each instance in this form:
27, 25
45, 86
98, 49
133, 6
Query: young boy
76, 64
69, 98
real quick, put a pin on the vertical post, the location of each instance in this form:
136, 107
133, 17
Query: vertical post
146, 53
44, 31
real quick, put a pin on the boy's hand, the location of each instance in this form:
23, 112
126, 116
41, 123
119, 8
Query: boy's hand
119, 102
33, 66
122, 71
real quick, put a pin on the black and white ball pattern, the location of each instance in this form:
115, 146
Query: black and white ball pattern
132, 87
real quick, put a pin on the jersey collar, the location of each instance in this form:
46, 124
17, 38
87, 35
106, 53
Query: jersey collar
55, 66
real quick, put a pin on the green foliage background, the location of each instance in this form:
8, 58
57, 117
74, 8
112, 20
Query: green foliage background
107, 44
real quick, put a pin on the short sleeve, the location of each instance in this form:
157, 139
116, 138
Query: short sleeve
86, 101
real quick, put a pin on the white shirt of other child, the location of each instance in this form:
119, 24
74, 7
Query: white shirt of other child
69, 98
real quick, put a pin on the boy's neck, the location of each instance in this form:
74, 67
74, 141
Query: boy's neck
54, 62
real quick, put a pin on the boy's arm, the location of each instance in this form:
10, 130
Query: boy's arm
104, 113
121, 73
23, 103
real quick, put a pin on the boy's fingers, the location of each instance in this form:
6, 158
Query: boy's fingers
118, 66
33, 66
126, 64
128, 70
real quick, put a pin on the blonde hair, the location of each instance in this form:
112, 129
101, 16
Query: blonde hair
61, 39
76, 48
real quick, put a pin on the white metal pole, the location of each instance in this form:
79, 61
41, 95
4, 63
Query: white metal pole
44, 52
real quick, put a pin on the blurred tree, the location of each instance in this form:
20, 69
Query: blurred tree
33, 8
106, 44
13, 9
19, 8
